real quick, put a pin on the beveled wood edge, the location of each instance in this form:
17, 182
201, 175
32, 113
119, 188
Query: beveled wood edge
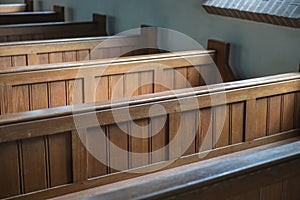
120, 176
149, 99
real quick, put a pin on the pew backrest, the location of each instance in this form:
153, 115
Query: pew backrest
258, 111
38, 31
14, 54
57, 15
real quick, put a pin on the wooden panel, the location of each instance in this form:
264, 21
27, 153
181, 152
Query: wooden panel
180, 78
261, 114
79, 157
39, 96
82, 55
20, 98
131, 82
166, 82
43, 58
146, 83
5, 62
175, 136
34, 164
57, 94
74, 90
116, 86
205, 139
60, 158
193, 77
97, 155
139, 143
292, 188
288, 108
189, 128
273, 192
237, 123
9, 173
222, 136
56, 57
69, 56
274, 110
19, 61
159, 139
118, 149
102, 88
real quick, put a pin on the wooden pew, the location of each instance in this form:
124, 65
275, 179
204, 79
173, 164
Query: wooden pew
14, 54
57, 15
268, 172
104, 79
38, 31
17, 7
45, 151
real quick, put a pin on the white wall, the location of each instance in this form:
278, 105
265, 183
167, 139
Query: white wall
257, 49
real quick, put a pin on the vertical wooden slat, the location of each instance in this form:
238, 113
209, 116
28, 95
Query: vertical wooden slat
288, 109
19, 61
69, 56
82, 55
205, 138
20, 98
273, 192
250, 122
79, 157
292, 188
43, 58
5, 62
102, 88
146, 83
139, 143
59, 144
274, 110
60, 159
189, 127
159, 139
32, 59
97, 159
74, 91
57, 94
261, 117
174, 136
193, 77
222, 116
131, 82
118, 149
56, 57
166, 80
180, 78
116, 86
237, 122
34, 164
9, 173
39, 96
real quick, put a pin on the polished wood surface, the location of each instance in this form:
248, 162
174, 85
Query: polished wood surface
14, 54
29, 127
57, 15
270, 171
54, 30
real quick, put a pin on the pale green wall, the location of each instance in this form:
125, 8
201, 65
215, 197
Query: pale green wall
257, 49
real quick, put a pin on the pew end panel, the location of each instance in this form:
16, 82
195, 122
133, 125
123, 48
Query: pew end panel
252, 119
